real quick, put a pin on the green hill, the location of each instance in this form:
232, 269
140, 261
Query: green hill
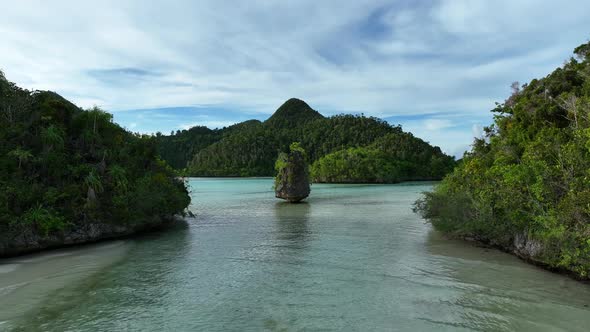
178, 149
526, 186
72, 176
250, 148
391, 158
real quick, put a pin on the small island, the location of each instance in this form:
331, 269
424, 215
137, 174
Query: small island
73, 176
292, 180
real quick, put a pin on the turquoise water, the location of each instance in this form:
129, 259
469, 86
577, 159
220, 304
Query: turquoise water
353, 258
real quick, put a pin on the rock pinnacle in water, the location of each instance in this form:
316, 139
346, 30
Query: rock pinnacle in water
292, 180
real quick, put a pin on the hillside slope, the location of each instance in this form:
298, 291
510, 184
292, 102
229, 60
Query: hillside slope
526, 186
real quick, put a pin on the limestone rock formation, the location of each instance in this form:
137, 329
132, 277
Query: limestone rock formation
292, 180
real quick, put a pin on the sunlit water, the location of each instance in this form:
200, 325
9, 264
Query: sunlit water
353, 258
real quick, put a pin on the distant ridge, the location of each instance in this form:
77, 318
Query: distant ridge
371, 150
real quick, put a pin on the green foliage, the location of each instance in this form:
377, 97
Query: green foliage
93, 181
60, 163
531, 175
21, 155
53, 137
582, 51
296, 146
46, 220
392, 158
280, 164
119, 178
178, 149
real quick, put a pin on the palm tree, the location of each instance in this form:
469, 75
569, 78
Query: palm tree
21, 154
35, 214
94, 184
99, 116
52, 137
119, 177
97, 119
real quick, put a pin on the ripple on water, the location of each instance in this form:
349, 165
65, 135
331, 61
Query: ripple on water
352, 258
5, 268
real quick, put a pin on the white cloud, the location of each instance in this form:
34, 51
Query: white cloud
437, 124
379, 57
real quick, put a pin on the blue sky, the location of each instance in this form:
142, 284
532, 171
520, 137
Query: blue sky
436, 67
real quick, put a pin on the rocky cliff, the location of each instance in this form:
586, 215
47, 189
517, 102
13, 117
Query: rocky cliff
292, 180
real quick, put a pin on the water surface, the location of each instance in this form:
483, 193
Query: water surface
353, 258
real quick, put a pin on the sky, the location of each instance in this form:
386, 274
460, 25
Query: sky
436, 67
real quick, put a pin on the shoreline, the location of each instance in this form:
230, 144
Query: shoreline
33, 243
483, 243
27, 281
314, 182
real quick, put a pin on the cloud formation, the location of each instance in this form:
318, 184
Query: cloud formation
436, 67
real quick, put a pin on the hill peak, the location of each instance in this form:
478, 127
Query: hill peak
294, 111
294, 102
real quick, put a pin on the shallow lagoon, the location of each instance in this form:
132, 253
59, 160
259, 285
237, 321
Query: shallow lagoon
354, 257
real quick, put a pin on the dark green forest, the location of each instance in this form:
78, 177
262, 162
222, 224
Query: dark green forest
525, 186
178, 148
251, 148
63, 167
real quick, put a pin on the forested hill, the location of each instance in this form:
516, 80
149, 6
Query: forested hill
251, 148
70, 176
526, 186
179, 148
392, 158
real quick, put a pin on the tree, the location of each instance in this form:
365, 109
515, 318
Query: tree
22, 155
94, 184
52, 137
119, 177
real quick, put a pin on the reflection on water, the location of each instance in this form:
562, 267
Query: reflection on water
353, 257
292, 221
83, 270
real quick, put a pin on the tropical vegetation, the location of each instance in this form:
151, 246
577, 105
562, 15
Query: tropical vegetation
525, 186
391, 158
62, 167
